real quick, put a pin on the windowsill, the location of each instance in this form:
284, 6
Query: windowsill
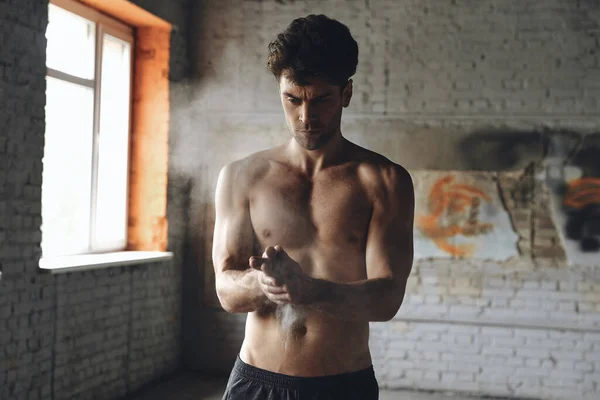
84, 262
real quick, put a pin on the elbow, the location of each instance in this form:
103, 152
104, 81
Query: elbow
394, 299
386, 314
393, 312
230, 308
389, 311
230, 303
225, 300
223, 292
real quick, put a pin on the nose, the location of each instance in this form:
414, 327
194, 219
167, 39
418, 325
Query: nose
307, 113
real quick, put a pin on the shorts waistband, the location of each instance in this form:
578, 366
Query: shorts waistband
274, 378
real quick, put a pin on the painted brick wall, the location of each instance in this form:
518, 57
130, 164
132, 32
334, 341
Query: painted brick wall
423, 57
497, 361
494, 329
95, 334
441, 85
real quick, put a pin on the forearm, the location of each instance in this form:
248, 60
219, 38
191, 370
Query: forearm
239, 291
367, 300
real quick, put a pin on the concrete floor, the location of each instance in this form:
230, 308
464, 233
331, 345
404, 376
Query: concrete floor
188, 387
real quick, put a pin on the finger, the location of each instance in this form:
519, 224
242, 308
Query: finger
267, 268
262, 264
254, 262
280, 298
264, 254
275, 290
281, 253
270, 252
257, 262
268, 280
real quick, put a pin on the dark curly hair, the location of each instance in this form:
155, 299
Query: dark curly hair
315, 46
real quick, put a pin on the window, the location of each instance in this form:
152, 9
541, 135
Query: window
86, 151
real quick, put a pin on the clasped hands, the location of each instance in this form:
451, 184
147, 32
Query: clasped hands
281, 278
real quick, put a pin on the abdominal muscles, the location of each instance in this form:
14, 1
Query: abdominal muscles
297, 340
292, 322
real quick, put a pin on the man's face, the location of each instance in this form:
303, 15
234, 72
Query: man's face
313, 111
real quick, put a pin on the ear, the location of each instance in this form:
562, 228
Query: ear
347, 94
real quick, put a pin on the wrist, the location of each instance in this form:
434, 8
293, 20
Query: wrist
312, 290
260, 298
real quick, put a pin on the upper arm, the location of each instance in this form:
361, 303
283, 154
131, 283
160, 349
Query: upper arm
233, 238
389, 251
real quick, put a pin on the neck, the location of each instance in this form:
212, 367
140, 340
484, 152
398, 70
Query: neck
312, 161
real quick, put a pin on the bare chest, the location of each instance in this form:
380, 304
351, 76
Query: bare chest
330, 213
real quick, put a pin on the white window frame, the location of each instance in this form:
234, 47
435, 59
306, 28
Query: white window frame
104, 25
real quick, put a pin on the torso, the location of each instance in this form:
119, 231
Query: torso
322, 223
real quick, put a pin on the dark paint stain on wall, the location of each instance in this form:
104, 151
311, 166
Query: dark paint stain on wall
581, 196
574, 159
497, 150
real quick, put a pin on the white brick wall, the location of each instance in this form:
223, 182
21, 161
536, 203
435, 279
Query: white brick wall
427, 57
516, 349
516, 362
95, 334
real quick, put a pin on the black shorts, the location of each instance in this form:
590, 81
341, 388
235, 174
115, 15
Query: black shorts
250, 383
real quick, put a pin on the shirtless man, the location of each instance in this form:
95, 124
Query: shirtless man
313, 239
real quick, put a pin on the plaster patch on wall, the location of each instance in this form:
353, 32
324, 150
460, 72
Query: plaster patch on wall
460, 215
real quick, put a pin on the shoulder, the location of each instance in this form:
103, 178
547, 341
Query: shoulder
383, 176
243, 173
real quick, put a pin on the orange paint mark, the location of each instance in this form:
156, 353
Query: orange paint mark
430, 226
459, 201
460, 250
437, 200
473, 190
149, 142
583, 192
453, 200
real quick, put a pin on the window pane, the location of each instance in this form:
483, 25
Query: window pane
111, 205
70, 47
67, 163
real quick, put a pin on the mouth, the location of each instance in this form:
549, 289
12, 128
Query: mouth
311, 132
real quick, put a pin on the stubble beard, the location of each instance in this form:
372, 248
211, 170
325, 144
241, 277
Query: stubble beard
314, 143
